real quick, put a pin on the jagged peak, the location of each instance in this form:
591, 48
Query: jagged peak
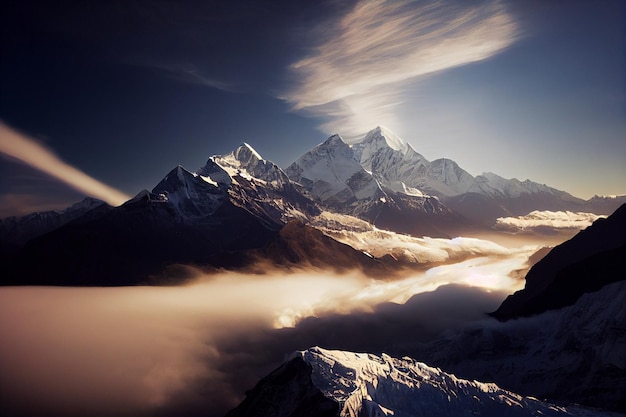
333, 140
392, 140
244, 161
213, 170
334, 145
245, 151
181, 172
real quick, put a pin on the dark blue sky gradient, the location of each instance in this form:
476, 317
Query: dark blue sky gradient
125, 91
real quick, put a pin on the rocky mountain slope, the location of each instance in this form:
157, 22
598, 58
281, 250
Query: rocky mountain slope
228, 214
484, 198
593, 258
332, 173
320, 382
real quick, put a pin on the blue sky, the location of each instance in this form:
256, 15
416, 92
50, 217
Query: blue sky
125, 91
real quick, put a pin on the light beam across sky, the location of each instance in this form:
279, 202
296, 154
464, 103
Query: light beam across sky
38, 156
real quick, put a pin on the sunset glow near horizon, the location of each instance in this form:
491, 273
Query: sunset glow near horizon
119, 94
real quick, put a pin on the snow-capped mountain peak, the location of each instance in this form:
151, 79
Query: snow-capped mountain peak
349, 384
494, 185
248, 163
392, 140
331, 172
248, 148
381, 140
392, 161
193, 195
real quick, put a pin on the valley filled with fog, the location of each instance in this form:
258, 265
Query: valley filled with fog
197, 348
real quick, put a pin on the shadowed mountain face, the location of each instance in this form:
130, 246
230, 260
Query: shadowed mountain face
135, 243
129, 244
593, 258
209, 219
299, 245
16, 231
287, 392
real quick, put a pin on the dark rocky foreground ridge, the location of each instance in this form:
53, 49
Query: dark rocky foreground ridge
590, 260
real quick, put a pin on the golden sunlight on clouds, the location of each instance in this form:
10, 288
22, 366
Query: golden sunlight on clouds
37, 156
381, 45
133, 350
552, 219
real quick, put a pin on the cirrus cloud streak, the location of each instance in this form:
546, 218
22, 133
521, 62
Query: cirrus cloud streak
361, 72
34, 154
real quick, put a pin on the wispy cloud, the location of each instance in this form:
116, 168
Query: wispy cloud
195, 348
357, 77
551, 219
190, 73
31, 152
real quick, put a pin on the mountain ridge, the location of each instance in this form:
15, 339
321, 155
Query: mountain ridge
213, 208
321, 382
585, 263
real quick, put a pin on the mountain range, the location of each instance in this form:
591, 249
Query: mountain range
225, 214
561, 337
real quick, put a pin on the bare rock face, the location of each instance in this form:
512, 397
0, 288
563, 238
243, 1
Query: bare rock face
287, 392
593, 258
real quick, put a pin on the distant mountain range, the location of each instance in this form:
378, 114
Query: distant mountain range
225, 214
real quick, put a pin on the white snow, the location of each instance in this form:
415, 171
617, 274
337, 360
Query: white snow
365, 385
330, 171
209, 180
396, 165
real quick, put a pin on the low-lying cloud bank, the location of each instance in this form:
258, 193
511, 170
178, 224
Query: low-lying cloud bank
195, 349
425, 250
548, 219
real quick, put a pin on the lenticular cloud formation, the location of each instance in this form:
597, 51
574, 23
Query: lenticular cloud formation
359, 73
